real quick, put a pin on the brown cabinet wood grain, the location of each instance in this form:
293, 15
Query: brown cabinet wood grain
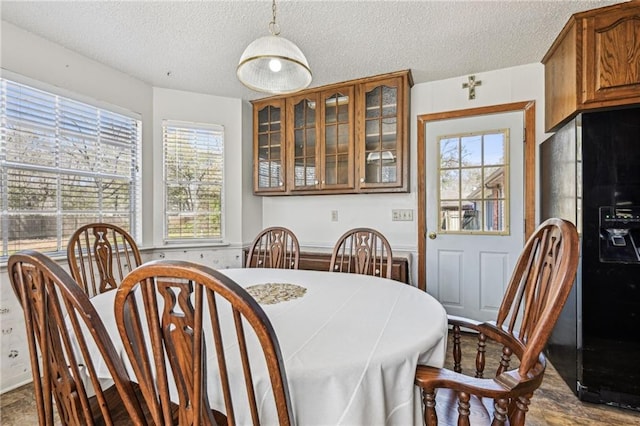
593, 63
343, 138
268, 151
382, 135
316, 261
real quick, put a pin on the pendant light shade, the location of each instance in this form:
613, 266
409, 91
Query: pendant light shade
273, 64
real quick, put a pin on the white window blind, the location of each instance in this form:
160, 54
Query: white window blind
193, 179
63, 164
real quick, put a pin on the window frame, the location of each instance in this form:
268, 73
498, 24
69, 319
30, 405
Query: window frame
485, 201
58, 171
198, 126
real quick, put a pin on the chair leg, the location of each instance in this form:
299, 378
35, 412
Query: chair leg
429, 398
464, 409
519, 410
500, 413
457, 351
480, 355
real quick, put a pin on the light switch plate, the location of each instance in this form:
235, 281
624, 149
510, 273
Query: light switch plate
402, 215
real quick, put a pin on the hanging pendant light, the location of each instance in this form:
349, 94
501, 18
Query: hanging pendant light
273, 64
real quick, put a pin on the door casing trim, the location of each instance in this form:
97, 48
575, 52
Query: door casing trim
529, 110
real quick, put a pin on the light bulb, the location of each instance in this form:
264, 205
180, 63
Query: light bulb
275, 65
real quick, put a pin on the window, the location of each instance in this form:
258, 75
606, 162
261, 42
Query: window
63, 164
474, 177
193, 180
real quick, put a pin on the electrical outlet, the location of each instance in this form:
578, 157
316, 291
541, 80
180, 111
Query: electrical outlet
334, 215
402, 215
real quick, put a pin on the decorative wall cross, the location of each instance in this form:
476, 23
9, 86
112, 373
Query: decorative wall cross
471, 85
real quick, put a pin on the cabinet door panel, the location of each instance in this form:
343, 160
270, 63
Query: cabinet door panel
269, 155
612, 53
383, 139
337, 138
302, 140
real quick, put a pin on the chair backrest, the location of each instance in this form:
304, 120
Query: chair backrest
100, 255
179, 320
362, 251
60, 320
274, 247
539, 287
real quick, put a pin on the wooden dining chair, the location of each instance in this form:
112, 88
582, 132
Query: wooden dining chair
179, 320
60, 321
362, 251
274, 247
537, 292
100, 255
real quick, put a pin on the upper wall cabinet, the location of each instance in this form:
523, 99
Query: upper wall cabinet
268, 150
593, 63
350, 137
383, 142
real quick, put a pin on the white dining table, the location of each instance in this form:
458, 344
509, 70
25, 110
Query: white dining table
350, 344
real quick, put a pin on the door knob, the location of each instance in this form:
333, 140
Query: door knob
432, 235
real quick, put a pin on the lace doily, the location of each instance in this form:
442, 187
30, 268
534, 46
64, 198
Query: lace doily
271, 293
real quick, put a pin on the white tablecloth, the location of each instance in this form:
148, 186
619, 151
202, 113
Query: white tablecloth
350, 345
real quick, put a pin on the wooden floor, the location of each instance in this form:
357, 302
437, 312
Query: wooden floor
552, 404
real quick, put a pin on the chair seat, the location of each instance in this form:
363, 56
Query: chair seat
481, 409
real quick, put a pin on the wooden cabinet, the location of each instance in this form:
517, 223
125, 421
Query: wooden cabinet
268, 150
320, 140
593, 63
303, 136
383, 141
349, 137
317, 261
337, 135
321, 261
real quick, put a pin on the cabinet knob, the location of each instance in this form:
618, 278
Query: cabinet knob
361, 180
281, 183
316, 182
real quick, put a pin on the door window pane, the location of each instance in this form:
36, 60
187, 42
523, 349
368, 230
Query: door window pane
474, 176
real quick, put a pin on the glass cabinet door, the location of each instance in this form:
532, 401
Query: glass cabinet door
337, 131
302, 135
381, 149
269, 153
344, 138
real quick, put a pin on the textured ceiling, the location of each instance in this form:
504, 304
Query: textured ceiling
195, 46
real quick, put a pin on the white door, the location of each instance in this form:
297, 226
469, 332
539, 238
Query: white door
474, 221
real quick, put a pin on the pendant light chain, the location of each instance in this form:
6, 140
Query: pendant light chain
274, 28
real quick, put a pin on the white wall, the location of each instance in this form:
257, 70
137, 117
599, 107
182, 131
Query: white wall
199, 108
35, 58
508, 85
240, 206
516, 84
252, 205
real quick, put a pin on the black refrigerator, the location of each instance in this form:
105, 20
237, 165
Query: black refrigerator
590, 174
